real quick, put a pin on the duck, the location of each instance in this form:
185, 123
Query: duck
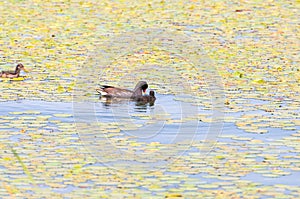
13, 74
146, 98
111, 91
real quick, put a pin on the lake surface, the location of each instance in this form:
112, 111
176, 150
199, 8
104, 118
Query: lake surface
125, 137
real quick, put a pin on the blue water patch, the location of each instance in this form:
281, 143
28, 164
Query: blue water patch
46, 108
67, 189
161, 130
292, 179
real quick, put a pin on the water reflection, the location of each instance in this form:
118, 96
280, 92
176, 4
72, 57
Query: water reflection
146, 120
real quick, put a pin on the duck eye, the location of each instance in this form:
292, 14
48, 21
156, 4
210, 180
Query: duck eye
144, 87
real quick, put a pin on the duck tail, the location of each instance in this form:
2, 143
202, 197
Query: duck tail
101, 91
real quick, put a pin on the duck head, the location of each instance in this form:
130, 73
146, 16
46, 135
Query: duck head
141, 85
151, 93
20, 67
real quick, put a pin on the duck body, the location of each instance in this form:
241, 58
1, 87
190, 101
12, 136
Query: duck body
13, 74
111, 91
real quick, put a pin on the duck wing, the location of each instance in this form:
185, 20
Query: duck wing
8, 72
110, 91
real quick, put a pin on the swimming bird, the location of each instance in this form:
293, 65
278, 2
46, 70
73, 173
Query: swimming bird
13, 74
146, 98
111, 91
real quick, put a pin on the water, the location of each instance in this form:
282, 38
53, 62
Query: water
163, 123
46, 108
